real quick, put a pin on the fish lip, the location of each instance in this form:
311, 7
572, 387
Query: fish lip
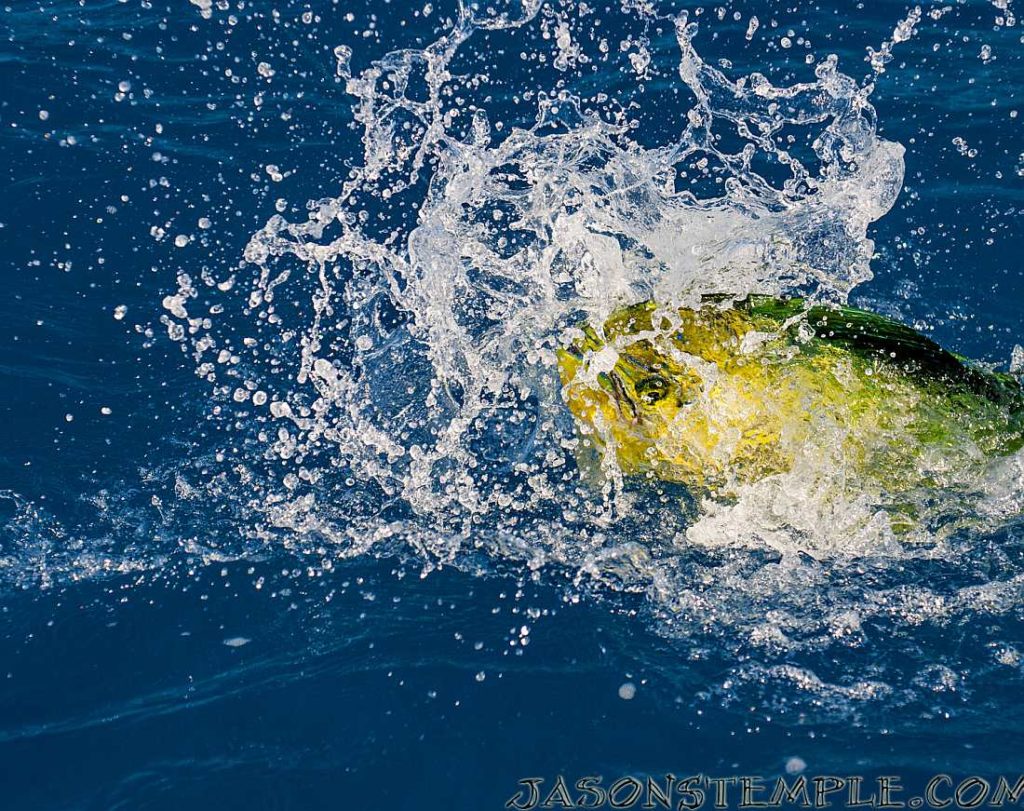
621, 398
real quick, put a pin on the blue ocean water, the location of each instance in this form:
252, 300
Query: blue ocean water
208, 602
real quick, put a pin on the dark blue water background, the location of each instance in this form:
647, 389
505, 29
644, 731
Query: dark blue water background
124, 680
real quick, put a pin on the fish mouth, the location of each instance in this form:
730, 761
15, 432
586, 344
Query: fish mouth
613, 383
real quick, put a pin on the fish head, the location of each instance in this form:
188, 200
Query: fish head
625, 386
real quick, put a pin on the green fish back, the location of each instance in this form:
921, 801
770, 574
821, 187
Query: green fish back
874, 337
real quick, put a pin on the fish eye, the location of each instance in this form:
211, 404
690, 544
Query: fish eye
652, 389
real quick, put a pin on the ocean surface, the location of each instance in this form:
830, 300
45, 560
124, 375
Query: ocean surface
290, 515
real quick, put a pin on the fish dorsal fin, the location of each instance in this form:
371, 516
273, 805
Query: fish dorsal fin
879, 338
876, 337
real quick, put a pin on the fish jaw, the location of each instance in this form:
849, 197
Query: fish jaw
604, 416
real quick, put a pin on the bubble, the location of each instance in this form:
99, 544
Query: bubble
237, 641
502, 14
627, 691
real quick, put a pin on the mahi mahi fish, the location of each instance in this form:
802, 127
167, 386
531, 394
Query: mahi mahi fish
731, 392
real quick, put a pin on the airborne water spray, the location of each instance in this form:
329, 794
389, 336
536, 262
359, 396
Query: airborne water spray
401, 369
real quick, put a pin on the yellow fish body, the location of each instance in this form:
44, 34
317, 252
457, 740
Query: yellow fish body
730, 393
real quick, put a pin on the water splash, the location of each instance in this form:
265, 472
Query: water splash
386, 367
422, 365
383, 375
